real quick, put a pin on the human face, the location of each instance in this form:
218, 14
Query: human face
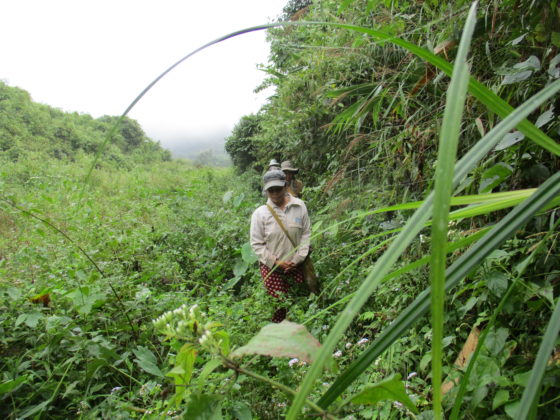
277, 195
289, 175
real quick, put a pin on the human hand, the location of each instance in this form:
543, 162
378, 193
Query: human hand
287, 266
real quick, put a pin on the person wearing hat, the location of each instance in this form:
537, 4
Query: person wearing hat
279, 259
273, 164
294, 186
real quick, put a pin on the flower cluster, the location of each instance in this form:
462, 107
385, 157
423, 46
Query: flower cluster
296, 361
188, 323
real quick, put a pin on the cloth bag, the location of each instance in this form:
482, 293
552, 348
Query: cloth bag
309, 275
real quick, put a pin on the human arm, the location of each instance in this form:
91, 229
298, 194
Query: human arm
303, 249
258, 242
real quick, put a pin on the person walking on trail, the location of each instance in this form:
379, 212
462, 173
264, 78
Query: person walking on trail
295, 186
273, 164
280, 264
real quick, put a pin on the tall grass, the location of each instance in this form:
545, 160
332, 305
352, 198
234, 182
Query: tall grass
447, 156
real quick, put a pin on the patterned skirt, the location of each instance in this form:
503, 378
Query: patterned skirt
277, 283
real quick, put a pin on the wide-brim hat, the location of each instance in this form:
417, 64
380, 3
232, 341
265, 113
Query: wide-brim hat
274, 178
287, 166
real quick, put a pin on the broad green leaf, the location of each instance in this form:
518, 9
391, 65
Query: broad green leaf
31, 319
497, 282
545, 118
240, 268
496, 340
501, 397
241, 411
390, 389
204, 407
13, 292
509, 140
238, 200
248, 254
512, 409
147, 361
182, 372
286, 339
9, 386
84, 299
227, 196
494, 176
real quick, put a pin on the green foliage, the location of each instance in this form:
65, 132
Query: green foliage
243, 142
28, 129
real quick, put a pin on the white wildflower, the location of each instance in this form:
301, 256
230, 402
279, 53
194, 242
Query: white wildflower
411, 375
116, 389
292, 362
362, 341
348, 345
337, 353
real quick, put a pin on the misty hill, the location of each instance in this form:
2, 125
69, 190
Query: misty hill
209, 150
29, 129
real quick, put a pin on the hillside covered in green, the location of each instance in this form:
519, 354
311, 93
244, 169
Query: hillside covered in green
426, 134
31, 130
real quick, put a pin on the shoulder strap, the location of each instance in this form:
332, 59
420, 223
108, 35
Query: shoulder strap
280, 224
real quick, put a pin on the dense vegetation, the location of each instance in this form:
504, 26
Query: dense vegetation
29, 130
133, 293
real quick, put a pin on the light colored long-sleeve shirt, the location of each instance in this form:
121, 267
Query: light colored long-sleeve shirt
269, 241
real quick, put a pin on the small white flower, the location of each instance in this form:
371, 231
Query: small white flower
398, 404
348, 345
325, 327
362, 341
116, 389
411, 375
423, 239
337, 354
292, 362
325, 384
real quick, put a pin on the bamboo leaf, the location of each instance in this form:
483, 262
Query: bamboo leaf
447, 156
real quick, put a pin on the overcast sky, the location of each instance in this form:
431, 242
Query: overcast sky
96, 56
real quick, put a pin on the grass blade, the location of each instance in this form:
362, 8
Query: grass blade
447, 155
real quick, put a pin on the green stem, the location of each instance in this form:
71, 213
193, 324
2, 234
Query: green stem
286, 389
